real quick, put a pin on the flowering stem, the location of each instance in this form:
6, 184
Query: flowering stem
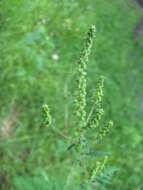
81, 92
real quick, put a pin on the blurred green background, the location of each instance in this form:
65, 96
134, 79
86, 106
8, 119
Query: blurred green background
40, 42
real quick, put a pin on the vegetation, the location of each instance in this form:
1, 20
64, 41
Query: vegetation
87, 132
39, 43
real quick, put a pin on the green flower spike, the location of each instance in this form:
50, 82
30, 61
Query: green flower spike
97, 104
105, 130
47, 119
80, 101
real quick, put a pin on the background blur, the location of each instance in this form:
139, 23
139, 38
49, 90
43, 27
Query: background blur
39, 44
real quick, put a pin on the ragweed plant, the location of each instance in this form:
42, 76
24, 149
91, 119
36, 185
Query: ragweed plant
87, 130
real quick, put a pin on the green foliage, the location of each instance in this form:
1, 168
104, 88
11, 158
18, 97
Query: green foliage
39, 41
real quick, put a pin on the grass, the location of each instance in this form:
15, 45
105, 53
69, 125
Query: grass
31, 33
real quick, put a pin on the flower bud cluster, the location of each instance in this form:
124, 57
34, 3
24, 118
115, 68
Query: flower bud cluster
47, 119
